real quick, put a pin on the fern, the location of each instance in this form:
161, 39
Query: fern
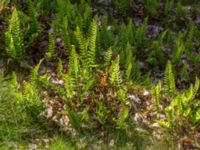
168, 6
180, 10
140, 33
69, 86
156, 96
51, 49
14, 38
92, 43
169, 79
34, 72
179, 49
108, 56
122, 118
170, 116
151, 6
60, 68
101, 112
73, 63
81, 44
34, 26
114, 74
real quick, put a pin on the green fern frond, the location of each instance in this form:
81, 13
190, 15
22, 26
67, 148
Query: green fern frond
14, 37
81, 44
141, 32
168, 6
108, 56
151, 6
156, 96
92, 43
73, 63
69, 86
34, 72
169, 79
179, 49
114, 75
51, 48
60, 68
122, 118
34, 26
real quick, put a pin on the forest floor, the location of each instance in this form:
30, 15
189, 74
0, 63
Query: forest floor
96, 75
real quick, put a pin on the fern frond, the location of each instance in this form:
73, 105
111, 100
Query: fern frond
156, 96
108, 56
68, 86
168, 6
169, 79
122, 118
81, 44
141, 32
34, 26
34, 72
60, 68
73, 63
114, 75
14, 38
92, 43
51, 48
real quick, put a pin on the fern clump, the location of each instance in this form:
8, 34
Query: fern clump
14, 38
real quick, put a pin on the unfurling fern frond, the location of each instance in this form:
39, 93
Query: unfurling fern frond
73, 63
114, 75
51, 49
108, 56
169, 79
92, 43
14, 38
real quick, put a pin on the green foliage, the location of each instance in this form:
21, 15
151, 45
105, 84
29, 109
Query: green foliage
73, 63
169, 79
114, 74
140, 33
34, 72
168, 6
108, 57
151, 6
122, 6
181, 108
51, 48
179, 49
60, 68
157, 95
101, 112
180, 10
14, 38
122, 117
34, 25
92, 43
